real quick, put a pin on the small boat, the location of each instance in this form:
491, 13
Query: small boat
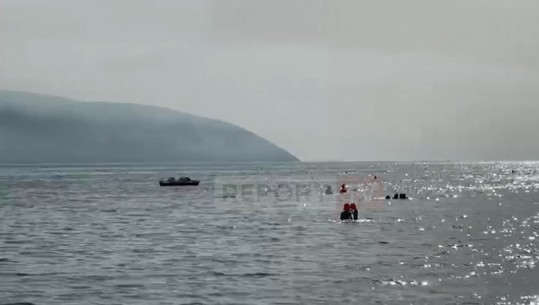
182, 181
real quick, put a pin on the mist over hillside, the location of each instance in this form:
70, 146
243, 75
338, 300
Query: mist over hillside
48, 129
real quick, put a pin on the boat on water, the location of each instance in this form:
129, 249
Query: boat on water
181, 181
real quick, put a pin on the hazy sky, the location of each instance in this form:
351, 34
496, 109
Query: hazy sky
326, 80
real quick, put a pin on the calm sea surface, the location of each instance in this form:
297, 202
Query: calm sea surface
108, 234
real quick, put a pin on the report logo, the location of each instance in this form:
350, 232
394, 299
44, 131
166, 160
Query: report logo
364, 191
263, 189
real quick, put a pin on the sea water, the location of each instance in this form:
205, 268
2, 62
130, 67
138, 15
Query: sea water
268, 234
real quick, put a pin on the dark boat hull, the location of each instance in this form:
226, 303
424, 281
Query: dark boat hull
179, 183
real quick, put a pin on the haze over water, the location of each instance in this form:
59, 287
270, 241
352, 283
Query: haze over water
110, 235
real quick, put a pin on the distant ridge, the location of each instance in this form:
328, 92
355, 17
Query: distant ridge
36, 128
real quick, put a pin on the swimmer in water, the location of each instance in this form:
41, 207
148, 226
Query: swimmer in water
345, 214
343, 189
328, 190
354, 211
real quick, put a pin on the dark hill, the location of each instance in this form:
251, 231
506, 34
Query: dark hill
48, 129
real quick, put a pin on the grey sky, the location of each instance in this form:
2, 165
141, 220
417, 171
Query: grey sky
326, 80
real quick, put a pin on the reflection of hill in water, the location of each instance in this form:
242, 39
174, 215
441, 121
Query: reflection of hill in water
40, 128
